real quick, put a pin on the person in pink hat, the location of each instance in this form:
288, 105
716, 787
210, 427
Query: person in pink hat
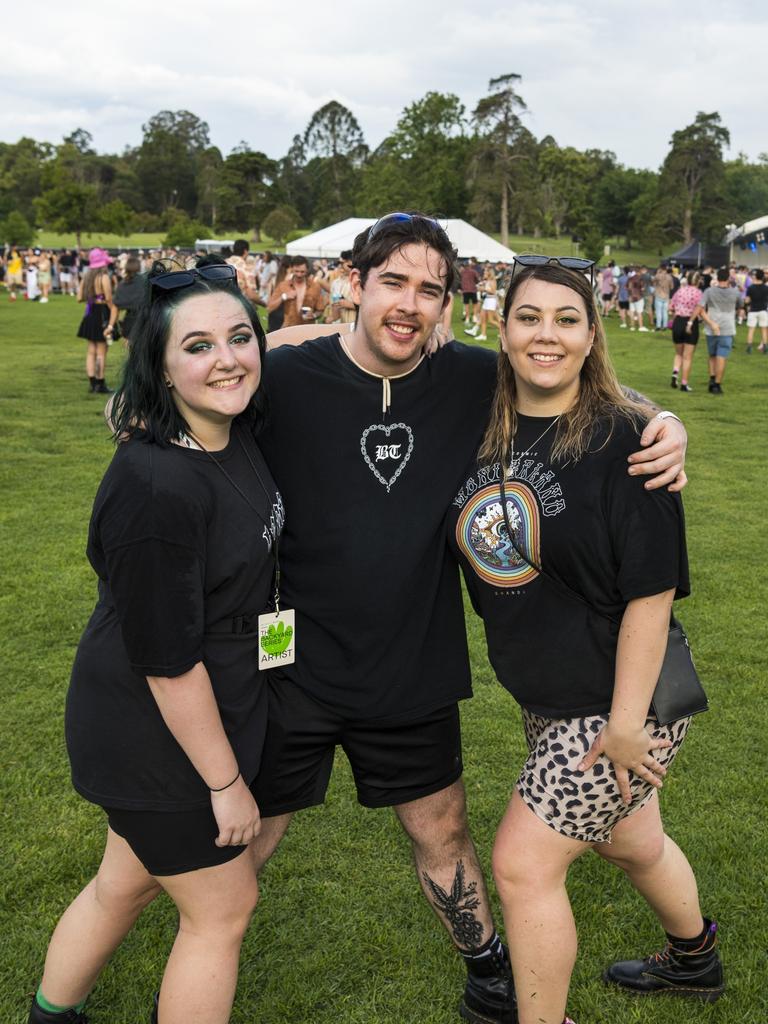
98, 323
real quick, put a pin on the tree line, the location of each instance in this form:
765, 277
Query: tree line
484, 166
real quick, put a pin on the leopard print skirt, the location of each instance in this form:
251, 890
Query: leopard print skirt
583, 805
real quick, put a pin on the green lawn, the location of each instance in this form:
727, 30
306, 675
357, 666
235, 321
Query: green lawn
342, 933
562, 246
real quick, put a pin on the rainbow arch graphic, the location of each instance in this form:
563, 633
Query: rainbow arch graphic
481, 534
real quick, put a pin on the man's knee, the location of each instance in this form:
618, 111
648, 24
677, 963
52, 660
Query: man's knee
437, 820
268, 839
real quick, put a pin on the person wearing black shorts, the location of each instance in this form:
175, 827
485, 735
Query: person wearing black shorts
165, 721
383, 434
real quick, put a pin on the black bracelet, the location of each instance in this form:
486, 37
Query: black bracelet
222, 788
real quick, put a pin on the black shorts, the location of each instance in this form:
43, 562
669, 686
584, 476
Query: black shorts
680, 335
392, 763
469, 297
607, 296
623, 303
172, 842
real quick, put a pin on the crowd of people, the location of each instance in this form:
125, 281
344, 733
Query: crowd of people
215, 680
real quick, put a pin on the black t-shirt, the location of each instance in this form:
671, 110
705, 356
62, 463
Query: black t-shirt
758, 297
179, 553
379, 618
589, 525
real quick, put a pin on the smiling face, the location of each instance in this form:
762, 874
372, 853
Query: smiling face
212, 362
547, 337
400, 304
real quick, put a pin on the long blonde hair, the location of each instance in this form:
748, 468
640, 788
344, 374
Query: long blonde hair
600, 395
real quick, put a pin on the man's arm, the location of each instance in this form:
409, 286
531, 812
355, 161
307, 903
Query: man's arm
664, 442
304, 332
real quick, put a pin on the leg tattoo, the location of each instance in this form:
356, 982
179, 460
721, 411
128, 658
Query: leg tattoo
458, 907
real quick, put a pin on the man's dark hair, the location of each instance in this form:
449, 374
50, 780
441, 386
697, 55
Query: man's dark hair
346, 255
143, 405
240, 247
723, 274
299, 261
393, 235
759, 275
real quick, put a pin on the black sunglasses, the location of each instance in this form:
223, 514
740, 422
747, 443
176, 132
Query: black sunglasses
170, 280
402, 218
566, 262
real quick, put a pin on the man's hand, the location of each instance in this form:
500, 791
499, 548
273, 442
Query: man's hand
664, 442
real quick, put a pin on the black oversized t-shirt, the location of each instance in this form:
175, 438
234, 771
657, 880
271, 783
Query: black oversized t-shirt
593, 528
179, 553
380, 629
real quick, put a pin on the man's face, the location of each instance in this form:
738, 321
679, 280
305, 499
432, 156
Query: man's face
400, 304
300, 273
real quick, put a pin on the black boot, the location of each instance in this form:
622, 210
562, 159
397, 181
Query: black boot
101, 387
92, 383
695, 973
489, 997
37, 1015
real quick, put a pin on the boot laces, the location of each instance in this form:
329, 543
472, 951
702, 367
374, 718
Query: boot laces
663, 957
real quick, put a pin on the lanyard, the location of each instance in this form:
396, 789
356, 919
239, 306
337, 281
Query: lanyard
247, 500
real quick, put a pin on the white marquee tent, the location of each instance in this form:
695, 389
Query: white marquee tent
331, 241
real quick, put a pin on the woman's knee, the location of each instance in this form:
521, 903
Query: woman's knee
224, 919
122, 895
643, 853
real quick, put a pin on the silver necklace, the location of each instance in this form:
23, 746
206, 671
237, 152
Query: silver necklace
526, 451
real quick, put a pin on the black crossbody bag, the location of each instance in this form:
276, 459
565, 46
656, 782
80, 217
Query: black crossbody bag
678, 692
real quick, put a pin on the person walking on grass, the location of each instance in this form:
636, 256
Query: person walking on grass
165, 716
383, 431
663, 283
98, 324
548, 513
757, 312
685, 306
720, 301
636, 286
489, 307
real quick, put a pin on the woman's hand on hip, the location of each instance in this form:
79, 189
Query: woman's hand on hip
630, 751
237, 815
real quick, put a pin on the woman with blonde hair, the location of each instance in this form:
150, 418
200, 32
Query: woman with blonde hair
98, 323
489, 308
574, 565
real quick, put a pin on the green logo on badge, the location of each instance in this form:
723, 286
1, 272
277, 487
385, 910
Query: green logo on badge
275, 641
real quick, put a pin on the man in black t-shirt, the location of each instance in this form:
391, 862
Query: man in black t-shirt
367, 441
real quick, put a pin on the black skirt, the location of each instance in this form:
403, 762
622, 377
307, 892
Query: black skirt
94, 322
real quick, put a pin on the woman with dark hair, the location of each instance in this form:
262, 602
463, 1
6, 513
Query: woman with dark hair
98, 323
166, 708
573, 565
129, 295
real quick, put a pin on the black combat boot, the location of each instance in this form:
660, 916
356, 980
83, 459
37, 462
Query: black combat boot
37, 1015
696, 973
489, 997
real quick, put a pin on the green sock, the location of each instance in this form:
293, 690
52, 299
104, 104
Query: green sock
43, 1003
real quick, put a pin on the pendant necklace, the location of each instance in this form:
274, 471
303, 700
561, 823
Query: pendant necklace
526, 451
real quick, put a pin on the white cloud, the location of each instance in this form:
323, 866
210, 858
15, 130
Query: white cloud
611, 76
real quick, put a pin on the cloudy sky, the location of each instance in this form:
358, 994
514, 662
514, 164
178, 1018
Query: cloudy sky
610, 74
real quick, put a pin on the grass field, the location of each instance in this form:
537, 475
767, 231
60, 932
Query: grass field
342, 934
519, 243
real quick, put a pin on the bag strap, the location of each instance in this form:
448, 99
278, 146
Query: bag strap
558, 584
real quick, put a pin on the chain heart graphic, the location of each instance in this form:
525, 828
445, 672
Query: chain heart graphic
387, 444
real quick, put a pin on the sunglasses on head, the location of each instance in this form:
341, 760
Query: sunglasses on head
402, 218
576, 263
170, 280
